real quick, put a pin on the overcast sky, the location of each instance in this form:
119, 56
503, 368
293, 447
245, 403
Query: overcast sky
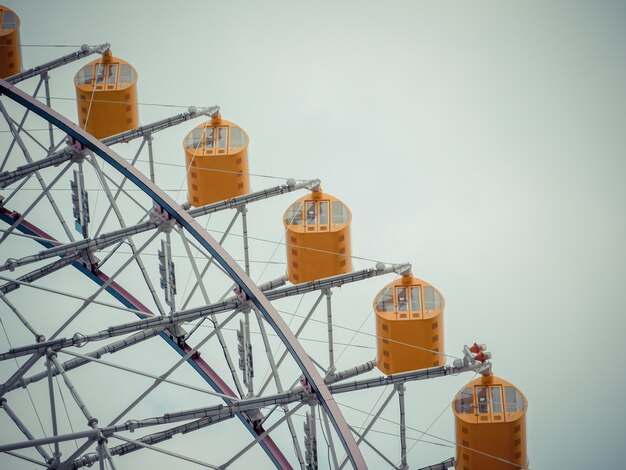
483, 142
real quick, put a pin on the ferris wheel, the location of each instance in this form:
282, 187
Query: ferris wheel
111, 292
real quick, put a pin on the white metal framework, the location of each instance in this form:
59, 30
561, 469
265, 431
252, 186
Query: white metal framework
67, 403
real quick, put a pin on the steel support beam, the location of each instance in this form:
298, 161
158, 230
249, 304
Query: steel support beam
371, 423
422, 374
262, 435
53, 412
79, 246
10, 177
329, 324
298, 331
97, 354
279, 385
238, 201
49, 440
108, 239
336, 281
166, 452
85, 51
20, 127
23, 428
38, 336
38, 273
161, 436
157, 126
400, 388
349, 373
331, 443
373, 447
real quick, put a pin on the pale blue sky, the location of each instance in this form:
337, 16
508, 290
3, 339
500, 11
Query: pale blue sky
481, 141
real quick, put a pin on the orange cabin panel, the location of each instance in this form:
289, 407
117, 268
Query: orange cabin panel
10, 54
318, 238
216, 157
490, 416
106, 94
409, 326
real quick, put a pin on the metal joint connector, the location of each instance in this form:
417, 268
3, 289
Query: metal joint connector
131, 425
162, 218
313, 185
79, 340
211, 111
99, 49
403, 269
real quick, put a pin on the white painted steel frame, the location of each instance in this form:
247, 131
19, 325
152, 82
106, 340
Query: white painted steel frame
224, 259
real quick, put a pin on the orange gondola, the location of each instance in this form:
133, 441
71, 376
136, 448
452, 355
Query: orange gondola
216, 155
106, 93
318, 238
11, 58
409, 326
490, 425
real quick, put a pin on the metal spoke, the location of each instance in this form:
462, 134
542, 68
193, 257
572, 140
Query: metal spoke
297, 334
6, 200
166, 452
244, 229
142, 268
19, 128
102, 288
108, 455
331, 443
162, 377
262, 435
372, 446
82, 359
32, 137
69, 462
28, 158
53, 413
28, 459
21, 317
74, 296
91, 420
23, 428
157, 378
45, 192
49, 440
37, 274
211, 259
205, 295
84, 51
125, 192
400, 388
329, 319
118, 190
371, 423
279, 385
46, 80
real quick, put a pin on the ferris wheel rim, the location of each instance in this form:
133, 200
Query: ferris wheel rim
269, 313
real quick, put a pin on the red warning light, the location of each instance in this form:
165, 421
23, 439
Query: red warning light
477, 348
